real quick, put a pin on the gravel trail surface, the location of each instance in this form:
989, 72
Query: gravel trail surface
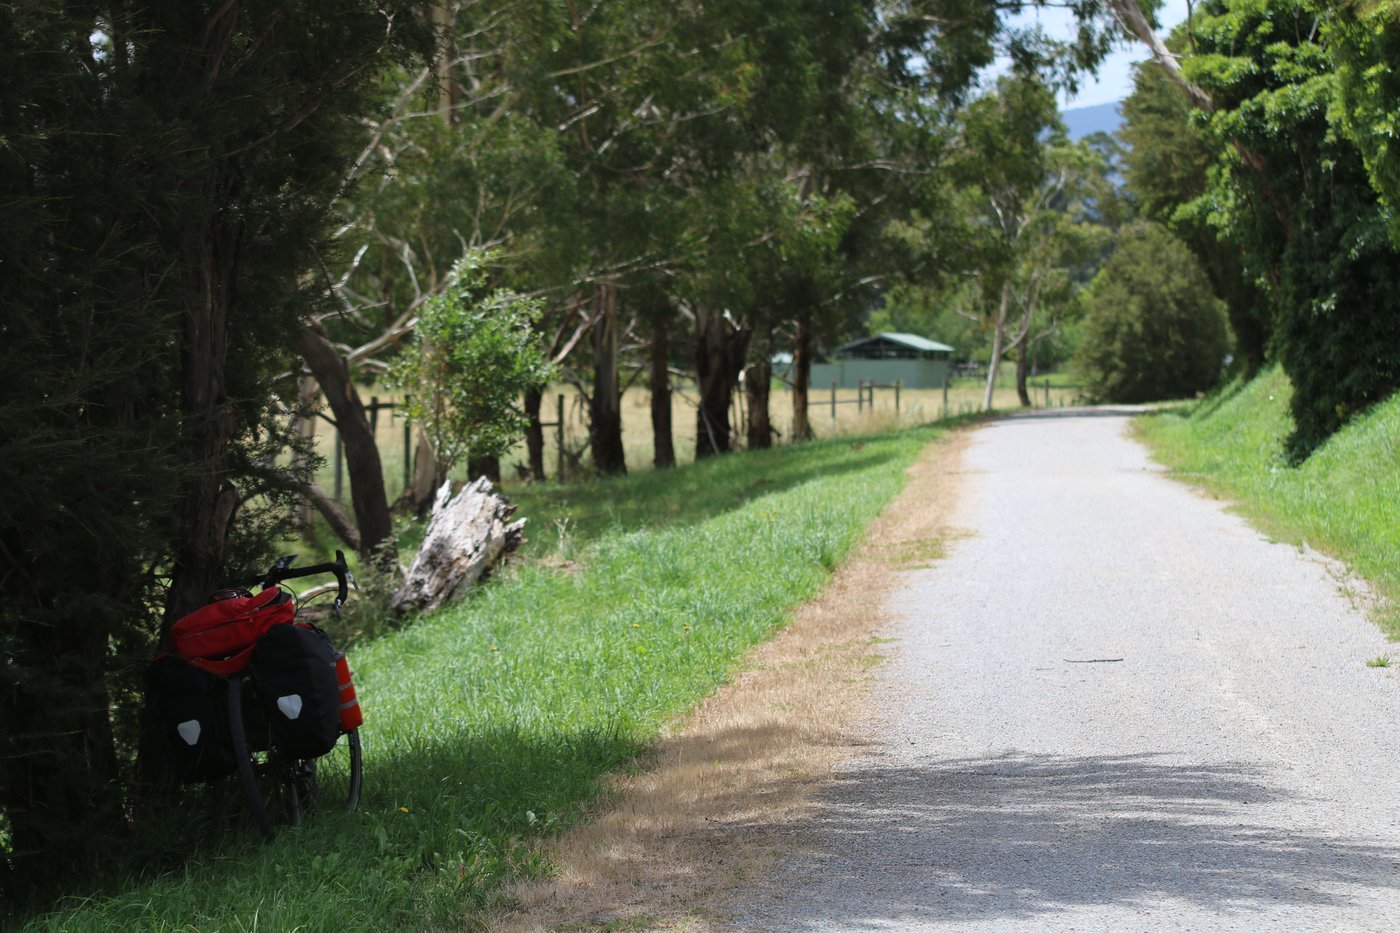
1112, 706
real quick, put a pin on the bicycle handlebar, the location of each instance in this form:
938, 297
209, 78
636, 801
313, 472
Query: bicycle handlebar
282, 570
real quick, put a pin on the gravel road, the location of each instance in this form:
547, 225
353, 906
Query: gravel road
1113, 706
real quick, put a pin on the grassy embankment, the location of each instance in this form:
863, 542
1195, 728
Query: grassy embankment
493, 724
1344, 500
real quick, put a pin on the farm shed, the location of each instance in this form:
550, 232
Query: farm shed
914, 361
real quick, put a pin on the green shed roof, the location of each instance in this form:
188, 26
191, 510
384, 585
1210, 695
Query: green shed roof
912, 341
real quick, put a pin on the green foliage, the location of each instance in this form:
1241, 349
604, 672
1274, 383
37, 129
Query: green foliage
490, 726
166, 173
1168, 157
476, 355
1341, 501
1152, 329
1363, 41
1292, 191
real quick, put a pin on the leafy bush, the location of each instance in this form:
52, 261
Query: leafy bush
476, 355
1153, 328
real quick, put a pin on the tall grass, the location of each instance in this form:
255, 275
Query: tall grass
915, 407
493, 724
1344, 500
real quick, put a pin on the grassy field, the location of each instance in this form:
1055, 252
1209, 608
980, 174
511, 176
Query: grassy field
491, 725
1344, 500
916, 407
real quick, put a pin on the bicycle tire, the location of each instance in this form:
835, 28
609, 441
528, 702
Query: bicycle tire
308, 782
357, 774
268, 779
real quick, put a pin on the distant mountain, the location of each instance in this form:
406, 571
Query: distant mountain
1101, 118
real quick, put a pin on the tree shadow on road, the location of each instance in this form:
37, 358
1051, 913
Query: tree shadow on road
1025, 836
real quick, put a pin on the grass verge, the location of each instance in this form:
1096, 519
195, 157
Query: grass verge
1344, 500
736, 784
490, 727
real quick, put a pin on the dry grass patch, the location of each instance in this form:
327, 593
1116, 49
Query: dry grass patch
729, 784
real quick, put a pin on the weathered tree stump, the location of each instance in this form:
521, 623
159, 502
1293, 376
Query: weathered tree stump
468, 535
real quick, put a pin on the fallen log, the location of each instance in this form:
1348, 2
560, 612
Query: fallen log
468, 535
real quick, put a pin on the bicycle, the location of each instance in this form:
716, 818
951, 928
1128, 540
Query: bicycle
278, 784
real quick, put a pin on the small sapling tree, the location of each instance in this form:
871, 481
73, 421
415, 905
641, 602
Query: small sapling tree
476, 355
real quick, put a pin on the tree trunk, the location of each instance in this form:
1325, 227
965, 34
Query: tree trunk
662, 441
720, 348
801, 376
315, 498
209, 499
427, 475
1023, 365
758, 378
367, 493
534, 432
998, 340
605, 407
758, 382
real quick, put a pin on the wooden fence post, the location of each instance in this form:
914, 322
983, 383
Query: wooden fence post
559, 438
945, 392
407, 448
896, 395
833, 401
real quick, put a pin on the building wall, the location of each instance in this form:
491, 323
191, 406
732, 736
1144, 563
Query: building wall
848, 374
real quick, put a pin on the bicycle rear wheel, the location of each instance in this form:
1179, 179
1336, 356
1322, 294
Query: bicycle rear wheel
357, 775
341, 770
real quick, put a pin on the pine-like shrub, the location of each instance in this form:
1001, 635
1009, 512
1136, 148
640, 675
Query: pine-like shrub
1153, 328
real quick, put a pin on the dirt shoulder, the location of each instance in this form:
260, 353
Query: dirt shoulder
728, 785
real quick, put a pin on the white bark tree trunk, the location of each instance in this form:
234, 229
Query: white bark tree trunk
998, 341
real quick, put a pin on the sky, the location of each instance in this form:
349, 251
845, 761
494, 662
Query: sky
1115, 79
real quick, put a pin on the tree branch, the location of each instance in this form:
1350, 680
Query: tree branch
332, 512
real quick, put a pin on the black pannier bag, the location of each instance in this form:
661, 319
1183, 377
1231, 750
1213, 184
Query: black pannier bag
188, 709
294, 668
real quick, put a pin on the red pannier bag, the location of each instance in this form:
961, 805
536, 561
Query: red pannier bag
219, 637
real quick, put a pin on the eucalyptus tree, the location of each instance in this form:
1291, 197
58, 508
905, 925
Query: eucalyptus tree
1028, 188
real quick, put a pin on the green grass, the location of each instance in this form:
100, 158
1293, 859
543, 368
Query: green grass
1344, 500
492, 725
